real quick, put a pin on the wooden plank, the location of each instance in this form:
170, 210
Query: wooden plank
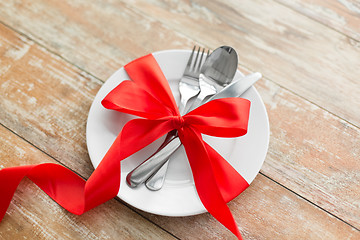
34, 215
342, 15
96, 36
298, 53
313, 153
264, 211
45, 100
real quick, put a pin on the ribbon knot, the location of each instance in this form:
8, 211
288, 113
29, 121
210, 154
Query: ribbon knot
178, 122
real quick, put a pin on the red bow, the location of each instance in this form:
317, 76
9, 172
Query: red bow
148, 95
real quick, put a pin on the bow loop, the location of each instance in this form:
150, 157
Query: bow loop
221, 118
130, 97
150, 77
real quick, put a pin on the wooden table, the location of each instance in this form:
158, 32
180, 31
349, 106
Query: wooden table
55, 55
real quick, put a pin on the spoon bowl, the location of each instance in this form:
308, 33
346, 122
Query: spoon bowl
221, 66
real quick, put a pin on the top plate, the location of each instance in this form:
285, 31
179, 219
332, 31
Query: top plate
178, 197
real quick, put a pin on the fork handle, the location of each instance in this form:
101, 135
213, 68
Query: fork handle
151, 165
198, 101
205, 90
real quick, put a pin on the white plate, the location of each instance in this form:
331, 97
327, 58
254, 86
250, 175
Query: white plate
178, 196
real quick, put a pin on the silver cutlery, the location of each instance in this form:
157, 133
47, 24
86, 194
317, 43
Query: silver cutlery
235, 89
216, 73
189, 88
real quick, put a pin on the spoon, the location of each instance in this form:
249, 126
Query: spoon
216, 73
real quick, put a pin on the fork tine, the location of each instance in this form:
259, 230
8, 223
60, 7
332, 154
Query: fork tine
190, 58
195, 62
197, 56
201, 60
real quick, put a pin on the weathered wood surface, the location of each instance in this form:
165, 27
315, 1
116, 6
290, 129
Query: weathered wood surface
45, 100
294, 51
300, 54
264, 211
95, 35
341, 15
311, 177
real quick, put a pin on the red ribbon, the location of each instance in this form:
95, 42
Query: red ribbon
148, 96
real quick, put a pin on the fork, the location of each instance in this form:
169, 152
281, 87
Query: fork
189, 88
189, 83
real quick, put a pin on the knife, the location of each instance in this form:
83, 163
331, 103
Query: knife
238, 87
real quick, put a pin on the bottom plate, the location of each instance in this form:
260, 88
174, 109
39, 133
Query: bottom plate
178, 197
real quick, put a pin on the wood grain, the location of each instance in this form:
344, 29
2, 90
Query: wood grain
342, 15
300, 54
45, 100
264, 211
50, 73
34, 215
97, 36
292, 50
312, 154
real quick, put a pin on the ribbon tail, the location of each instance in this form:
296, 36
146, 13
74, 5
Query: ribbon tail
71, 191
104, 183
10, 178
230, 182
205, 180
64, 186
60, 183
